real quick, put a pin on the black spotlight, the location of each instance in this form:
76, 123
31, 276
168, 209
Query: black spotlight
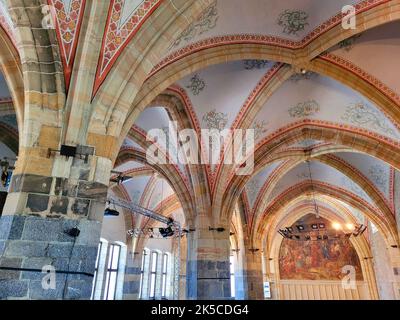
300, 227
68, 151
166, 232
111, 212
219, 229
74, 232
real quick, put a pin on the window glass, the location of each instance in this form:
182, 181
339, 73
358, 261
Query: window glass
164, 275
112, 271
96, 270
232, 269
154, 260
142, 272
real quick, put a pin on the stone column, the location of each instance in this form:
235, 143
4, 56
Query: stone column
253, 275
48, 198
208, 273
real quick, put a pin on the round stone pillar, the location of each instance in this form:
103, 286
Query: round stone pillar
208, 272
51, 223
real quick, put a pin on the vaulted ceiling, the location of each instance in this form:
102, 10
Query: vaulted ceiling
276, 67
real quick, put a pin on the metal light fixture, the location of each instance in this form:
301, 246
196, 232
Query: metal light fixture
319, 231
216, 229
113, 212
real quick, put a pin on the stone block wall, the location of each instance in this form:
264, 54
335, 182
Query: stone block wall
28, 244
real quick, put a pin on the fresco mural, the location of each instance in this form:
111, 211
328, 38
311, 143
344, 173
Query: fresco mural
317, 260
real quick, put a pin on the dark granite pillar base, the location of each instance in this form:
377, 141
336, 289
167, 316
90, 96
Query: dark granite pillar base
253, 277
255, 289
29, 243
208, 280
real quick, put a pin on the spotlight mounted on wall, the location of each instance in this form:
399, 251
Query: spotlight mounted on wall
73, 151
253, 250
74, 232
219, 229
119, 177
320, 232
113, 212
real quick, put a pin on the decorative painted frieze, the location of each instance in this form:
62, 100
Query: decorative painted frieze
68, 16
125, 18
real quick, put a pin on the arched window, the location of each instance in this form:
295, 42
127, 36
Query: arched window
153, 274
164, 275
98, 277
232, 271
115, 271
143, 273
96, 270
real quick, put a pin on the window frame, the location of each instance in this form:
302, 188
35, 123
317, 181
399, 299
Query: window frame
164, 275
110, 271
96, 269
153, 274
232, 276
145, 253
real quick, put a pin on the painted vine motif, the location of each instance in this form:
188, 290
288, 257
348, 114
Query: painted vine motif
255, 64
309, 75
293, 21
196, 85
305, 109
304, 175
206, 22
215, 120
260, 128
367, 117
